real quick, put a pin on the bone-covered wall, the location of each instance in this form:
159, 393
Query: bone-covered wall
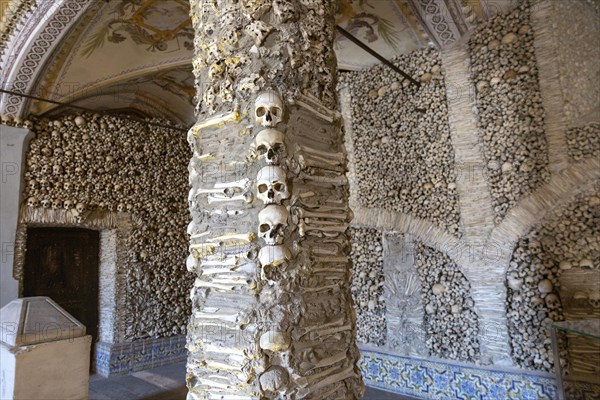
367, 285
509, 105
404, 160
553, 275
477, 187
114, 174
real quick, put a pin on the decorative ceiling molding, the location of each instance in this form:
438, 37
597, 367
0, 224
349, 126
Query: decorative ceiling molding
33, 48
73, 50
443, 20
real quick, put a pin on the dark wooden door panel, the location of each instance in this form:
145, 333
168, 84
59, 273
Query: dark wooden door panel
62, 264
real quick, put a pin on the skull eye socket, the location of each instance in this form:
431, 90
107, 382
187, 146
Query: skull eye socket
260, 112
277, 146
277, 229
276, 111
280, 187
262, 188
262, 149
264, 228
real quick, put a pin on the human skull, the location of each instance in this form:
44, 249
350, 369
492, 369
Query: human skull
594, 299
271, 185
268, 108
80, 207
535, 247
275, 379
545, 286
273, 256
120, 207
67, 204
272, 222
552, 301
32, 184
46, 203
67, 186
57, 169
275, 341
269, 143
80, 121
514, 282
438, 289
32, 202
284, 10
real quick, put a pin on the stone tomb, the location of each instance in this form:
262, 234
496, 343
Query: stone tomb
44, 352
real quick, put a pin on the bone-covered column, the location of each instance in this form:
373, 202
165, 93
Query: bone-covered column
272, 312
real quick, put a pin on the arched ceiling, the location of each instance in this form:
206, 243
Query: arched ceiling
135, 55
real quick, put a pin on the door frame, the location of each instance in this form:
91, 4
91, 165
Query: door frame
111, 279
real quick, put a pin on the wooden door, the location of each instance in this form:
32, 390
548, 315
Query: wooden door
62, 263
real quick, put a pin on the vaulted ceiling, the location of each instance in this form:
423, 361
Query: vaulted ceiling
135, 55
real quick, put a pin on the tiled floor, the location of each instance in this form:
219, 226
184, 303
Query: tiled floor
168, 383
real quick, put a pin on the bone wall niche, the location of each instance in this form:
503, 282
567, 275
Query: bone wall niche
404, 160
419, 290
103, 172
450, 320
509, 105
367, 285
554, 274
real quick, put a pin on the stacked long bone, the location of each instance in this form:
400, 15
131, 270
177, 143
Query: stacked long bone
303, 223
290, 297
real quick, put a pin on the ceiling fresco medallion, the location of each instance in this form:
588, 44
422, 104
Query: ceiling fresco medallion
154, 23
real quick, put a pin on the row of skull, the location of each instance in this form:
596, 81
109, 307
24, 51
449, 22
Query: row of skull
271, 183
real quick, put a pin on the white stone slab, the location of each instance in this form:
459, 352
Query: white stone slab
45, 371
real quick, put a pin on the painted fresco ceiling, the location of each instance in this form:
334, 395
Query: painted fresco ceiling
135, 55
